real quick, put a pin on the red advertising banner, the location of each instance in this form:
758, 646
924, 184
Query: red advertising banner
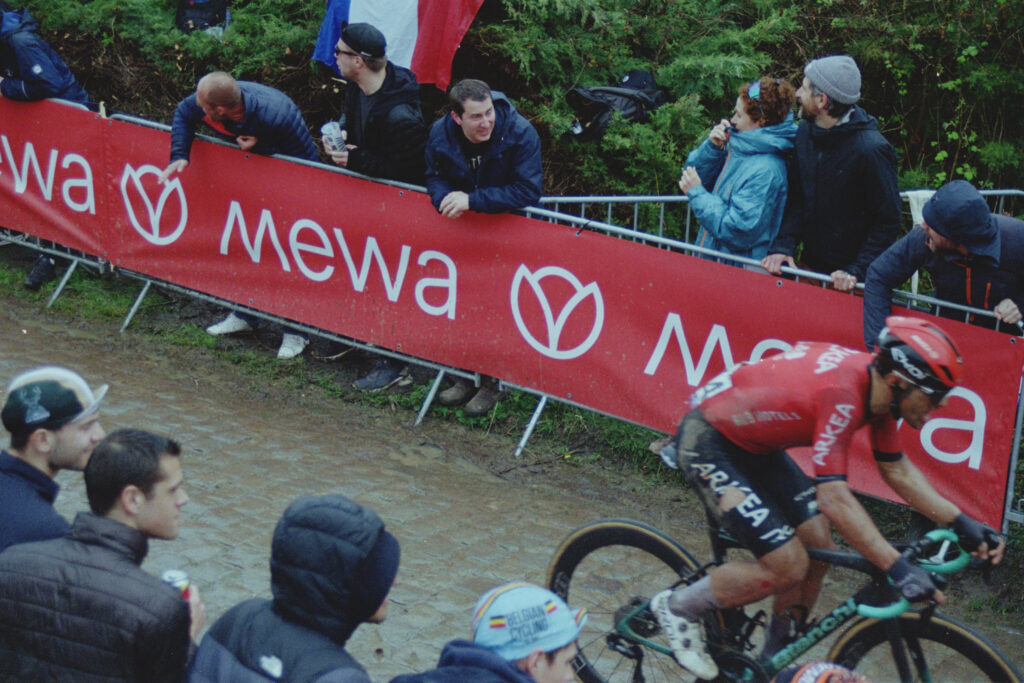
623, 328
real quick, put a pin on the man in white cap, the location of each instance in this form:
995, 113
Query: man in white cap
521, 633
52, 416
844, 203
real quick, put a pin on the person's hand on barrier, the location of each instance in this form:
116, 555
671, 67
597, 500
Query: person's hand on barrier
689, 180
454, 204
196, 612
981, 539
720, 133
340, 156
773, 263
174, 167
1006, 311
843, 281
246, 142
914, 583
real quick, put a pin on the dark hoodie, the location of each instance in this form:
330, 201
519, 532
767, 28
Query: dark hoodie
974, 280
464, 662
508, 177
320, 547
32, 70
389, 144
844, 203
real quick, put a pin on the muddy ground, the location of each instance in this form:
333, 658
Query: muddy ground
468, 513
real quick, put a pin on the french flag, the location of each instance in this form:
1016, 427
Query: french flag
422, 35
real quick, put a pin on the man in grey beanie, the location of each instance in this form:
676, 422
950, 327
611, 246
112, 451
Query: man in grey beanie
843, 198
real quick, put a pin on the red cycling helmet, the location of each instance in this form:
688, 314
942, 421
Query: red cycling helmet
920, 353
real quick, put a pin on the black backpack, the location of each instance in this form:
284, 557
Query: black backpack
200, 14
634, 97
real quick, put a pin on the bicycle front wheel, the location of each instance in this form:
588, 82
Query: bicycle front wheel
611, 567
935, 649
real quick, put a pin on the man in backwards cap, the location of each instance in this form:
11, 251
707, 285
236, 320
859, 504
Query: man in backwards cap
51, 414
522, 633
975, 258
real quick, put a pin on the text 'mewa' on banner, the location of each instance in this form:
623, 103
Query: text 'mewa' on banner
613, 325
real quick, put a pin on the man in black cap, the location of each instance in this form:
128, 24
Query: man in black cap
843, 202
975, 258
384, 135
51, 414
332, 564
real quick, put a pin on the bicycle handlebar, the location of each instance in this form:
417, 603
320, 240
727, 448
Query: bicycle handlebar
942, 536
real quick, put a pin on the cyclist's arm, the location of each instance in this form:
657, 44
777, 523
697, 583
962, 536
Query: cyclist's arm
851, 520
904, 478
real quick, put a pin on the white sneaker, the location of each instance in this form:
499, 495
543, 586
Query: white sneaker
228, 325
291, 346
685, 639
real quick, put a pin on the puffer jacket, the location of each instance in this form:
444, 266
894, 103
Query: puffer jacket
508, 178
743, 196
319, 547
970, 280
462, 661
389, 144
79, 608
32, 70
270, 116
844, 203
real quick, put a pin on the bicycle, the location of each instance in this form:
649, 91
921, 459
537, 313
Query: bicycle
614, 566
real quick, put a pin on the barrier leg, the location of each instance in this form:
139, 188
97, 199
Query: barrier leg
429, 399
532, 425
63, 282
135, 306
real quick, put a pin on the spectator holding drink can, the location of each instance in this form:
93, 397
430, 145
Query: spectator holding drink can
80, 607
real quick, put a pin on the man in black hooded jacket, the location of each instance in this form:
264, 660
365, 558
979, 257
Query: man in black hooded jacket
844, 203
975, 258
331, 566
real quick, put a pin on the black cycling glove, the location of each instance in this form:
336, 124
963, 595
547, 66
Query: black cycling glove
973, 533
913, 583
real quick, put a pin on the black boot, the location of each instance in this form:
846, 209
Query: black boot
43, 270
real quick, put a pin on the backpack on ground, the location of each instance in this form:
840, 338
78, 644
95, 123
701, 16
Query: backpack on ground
634, 97
200, 14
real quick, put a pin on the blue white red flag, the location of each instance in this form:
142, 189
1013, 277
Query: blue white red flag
422, 35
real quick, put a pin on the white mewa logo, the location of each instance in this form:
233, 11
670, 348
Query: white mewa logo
151, 231
555, 325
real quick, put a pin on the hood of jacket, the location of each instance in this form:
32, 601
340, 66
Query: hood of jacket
320, 545
774, 139
17, 20
464, 653
94, 529
399, 87
858, 121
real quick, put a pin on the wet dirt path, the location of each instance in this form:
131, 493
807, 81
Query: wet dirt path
249, 449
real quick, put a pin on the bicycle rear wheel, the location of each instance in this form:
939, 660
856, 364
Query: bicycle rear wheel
946, 651
611, 567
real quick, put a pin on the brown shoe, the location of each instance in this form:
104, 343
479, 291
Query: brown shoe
456, 394
484, 400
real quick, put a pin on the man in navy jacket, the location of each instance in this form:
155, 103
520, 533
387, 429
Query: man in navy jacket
29, 68
975, 258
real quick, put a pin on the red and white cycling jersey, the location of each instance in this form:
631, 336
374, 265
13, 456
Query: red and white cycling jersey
813, 395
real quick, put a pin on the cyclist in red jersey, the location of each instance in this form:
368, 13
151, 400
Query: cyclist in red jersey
731, 446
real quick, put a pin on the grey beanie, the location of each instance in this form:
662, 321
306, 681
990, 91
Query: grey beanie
836, 76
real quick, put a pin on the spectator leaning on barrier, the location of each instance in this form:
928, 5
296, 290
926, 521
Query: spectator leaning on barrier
521, 633
843, 202
80, 607
736, 179
332, 565
31, 70
258, 118
52, 416
975, 258
484, 157
385, 134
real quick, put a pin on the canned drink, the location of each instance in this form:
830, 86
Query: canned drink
333, 136
178, 579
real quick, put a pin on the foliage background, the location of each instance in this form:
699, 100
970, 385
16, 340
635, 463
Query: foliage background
944, 77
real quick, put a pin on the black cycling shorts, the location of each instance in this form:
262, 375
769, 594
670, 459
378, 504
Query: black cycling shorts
779, 496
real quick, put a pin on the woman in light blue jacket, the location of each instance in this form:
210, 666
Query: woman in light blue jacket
736, 179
